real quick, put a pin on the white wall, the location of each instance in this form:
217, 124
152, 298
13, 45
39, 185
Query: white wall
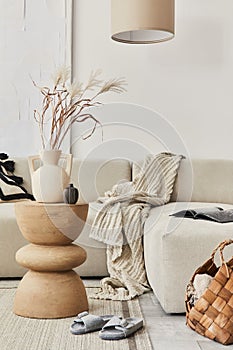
188, 80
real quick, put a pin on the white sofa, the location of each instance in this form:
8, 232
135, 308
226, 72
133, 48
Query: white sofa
173, 247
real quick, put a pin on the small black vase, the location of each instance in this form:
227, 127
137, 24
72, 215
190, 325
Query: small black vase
70, 194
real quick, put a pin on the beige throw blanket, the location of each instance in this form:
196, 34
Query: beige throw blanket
120, 221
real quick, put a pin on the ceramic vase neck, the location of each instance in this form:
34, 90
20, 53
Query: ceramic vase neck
50, 157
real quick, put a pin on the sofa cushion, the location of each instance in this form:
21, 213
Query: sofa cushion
11, 240
204, 180
175, 247
201, 180
93, 178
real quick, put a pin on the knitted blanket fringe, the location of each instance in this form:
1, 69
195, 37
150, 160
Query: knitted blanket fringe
120, 224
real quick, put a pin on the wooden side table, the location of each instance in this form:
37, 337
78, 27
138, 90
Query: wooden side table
50, 289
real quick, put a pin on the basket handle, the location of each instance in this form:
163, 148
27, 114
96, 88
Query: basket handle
221, 247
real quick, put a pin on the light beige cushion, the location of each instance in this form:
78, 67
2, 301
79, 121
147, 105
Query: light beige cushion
204, 180
174, 248
94, 178
95, 265
11, 240
201, 180
136, 167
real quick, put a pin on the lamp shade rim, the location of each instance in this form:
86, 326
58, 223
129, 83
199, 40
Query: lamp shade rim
122, 36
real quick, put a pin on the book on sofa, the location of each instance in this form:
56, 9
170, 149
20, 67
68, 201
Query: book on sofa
216, 214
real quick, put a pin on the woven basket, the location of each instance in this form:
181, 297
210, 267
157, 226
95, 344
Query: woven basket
212, 314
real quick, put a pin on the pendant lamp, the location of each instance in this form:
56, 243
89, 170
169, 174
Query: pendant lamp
142, 21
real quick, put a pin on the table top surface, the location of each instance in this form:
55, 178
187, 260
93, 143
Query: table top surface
40, 204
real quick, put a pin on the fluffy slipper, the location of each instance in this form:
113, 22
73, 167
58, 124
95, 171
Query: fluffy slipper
85, 323
118, 328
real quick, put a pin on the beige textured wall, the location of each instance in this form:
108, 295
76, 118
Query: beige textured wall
188, 80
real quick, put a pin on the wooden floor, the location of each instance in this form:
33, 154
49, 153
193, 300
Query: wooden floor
169, 332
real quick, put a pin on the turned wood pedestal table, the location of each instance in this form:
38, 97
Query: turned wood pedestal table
50, 289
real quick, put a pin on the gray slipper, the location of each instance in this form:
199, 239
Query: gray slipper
85, 323
118, 328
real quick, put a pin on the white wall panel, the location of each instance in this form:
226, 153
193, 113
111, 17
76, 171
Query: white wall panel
35, 36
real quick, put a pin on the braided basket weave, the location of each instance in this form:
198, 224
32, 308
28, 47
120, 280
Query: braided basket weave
212, 314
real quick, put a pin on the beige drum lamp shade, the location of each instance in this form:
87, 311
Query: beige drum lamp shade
142, 21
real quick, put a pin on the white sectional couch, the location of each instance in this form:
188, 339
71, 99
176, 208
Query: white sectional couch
173, 247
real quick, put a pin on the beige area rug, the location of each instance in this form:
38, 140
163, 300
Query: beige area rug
19, 333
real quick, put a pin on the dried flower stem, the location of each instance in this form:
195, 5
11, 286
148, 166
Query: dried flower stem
65, 105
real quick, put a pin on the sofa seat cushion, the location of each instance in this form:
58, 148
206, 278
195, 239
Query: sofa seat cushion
95, 265
175, 247
11, 240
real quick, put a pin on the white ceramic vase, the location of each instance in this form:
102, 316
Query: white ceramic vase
50, 179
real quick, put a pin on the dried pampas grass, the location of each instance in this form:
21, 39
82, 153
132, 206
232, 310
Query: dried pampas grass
66, 104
